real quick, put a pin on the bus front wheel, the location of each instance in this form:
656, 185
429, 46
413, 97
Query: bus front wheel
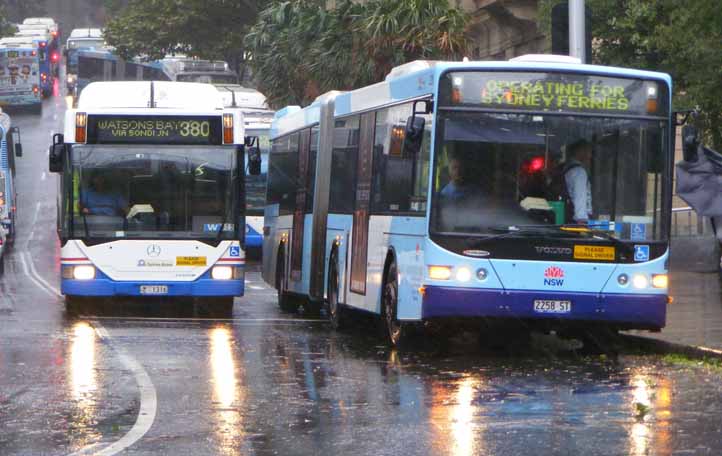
396, 331
285, 301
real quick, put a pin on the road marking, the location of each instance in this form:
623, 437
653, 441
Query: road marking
148, 396
42, 176
26, 269
148, 403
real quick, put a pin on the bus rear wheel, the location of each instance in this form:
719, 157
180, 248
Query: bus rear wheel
285, 301
335, 312
397, 332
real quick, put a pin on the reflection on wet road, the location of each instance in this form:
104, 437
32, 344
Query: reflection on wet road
262, 382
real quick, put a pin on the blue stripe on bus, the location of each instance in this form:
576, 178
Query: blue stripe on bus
647, 311
103, 285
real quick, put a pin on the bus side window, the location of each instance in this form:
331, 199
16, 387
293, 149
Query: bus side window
400, 178
282, 171
343, 165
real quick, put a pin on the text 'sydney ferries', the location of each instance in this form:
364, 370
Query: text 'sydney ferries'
555, 95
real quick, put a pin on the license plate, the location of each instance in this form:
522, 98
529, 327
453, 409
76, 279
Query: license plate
552, 306
154, 289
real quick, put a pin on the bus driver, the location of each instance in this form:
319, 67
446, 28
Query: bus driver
99, 200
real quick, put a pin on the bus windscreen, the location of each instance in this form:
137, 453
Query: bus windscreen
124, 129
555, 92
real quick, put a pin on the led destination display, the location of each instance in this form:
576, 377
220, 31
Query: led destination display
123, 129
554, 92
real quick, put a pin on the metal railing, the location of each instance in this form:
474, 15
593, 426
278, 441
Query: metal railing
686, 223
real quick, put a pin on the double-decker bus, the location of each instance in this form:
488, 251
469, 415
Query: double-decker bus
95, 65
81, 38
48, 54
20, 74
186, 69
257, 120
151, 193
10, 147
430, 196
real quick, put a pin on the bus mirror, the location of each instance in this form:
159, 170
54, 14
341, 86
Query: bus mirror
56, 154
254, 161
414, 134
55, 158
689, 143
15, 139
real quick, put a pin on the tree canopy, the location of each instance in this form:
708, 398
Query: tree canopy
683, 39
299, 49
209, 29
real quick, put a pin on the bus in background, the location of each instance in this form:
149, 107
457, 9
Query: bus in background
429, 197
20, 74
96, 65
81, 38
48, 54
185, 69
257, 120
10, 148
53, 45
150, 200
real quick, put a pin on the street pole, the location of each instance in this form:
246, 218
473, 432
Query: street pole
577, 47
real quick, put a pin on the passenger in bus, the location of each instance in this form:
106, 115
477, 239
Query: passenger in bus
100, 200
576, 178
461, 185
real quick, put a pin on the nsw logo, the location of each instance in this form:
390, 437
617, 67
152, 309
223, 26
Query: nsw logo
554, 276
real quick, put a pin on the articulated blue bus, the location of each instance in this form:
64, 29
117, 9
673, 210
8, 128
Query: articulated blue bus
79, 39
10, 148
96, 65
433, 196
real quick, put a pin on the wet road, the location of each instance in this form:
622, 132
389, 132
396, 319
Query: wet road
131, 378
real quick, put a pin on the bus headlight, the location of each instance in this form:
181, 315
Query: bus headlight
84, 272
660, 281
440, 272
640, 281
463, 274
222, 272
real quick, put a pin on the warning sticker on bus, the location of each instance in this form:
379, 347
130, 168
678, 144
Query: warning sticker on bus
190, 261
593, 252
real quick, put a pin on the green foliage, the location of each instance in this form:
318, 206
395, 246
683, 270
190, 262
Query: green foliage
680, 38
6, 28
209, 29
299, 49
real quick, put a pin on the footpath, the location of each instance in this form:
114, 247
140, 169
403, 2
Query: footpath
695, 316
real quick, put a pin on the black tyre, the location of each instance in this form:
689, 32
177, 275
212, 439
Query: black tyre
2, 264
73, 305
335, 310
221, 307
285, 301
397, 332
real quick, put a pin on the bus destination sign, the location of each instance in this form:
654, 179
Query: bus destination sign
555, 92
124, 129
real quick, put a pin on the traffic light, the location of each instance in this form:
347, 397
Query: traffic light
560, 31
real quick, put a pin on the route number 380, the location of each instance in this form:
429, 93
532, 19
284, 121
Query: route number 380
195, 128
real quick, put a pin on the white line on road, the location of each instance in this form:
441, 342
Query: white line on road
148, 404
148, 397
252, 320
42, 176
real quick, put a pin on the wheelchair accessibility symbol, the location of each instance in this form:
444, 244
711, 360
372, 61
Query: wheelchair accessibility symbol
235, 251
641, 253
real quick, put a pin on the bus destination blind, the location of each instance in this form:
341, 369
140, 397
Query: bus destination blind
182, 130
554, 92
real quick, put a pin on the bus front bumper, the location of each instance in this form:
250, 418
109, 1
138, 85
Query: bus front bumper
640, 311
104, 286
